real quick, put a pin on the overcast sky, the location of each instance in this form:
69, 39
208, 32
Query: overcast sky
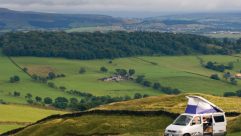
121, 7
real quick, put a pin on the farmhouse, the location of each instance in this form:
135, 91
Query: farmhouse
116, 78
238, 75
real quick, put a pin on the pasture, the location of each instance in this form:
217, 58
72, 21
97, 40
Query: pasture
182, 72
15, 116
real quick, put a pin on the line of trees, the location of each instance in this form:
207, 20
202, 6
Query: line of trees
219, 67
110, 45
230, 94
157, 86
87, 100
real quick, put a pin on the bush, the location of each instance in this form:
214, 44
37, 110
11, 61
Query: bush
147, 83
233, 81
51, 75
62, 88
14, 79
48, 100
16, 94
238, 93
131, 72
156, 86
38, 99
140, 78
229, 94
215, 77
51, 84
103, 69
137, 96
61, 102
82, 70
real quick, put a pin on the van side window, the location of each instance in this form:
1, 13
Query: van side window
219, 118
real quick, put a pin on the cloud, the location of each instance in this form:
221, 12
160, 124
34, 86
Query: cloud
78, 6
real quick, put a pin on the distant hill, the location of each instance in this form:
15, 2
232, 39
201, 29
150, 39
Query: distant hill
110, 45
18, 20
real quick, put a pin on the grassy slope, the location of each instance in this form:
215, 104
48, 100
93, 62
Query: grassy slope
14, 116
183, 72
26, 85
130, 125
174, 104
95, 124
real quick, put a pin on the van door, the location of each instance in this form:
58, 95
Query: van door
196, 127
219, 124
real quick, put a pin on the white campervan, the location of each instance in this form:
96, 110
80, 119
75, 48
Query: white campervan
201, 118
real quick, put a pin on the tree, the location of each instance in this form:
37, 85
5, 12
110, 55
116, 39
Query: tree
229, 94
238, 93
61, 102
34, 77
215, 77
38, 99
62, 88
16, 94
131, 72
25, 69
147, 83
48, 100
28, 96
227, 75
137, 96
156, 86
233, 81
82, 70
121, 72
14, 79
51, 75
140, 78
103, 69
74, 102
145, 95
51, 84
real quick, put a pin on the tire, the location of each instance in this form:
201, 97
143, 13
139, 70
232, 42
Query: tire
186, 135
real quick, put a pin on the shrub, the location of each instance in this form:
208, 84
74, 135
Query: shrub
61, 102
14, 79
103, 69
147, 83
215, 77
140, 78
238, 93
82, 70
137, 96
229, 94
156, 86
48, 100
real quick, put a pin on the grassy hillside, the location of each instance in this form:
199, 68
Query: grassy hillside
174, 104
184, 73
100, 125
130, 125
26, 84
15, 116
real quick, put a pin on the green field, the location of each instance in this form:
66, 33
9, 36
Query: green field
182, 72
15, 116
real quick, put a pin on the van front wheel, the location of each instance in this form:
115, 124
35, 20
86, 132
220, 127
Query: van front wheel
186, 135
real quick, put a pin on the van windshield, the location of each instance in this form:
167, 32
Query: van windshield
183, 120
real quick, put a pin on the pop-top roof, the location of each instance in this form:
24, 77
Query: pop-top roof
199, 105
